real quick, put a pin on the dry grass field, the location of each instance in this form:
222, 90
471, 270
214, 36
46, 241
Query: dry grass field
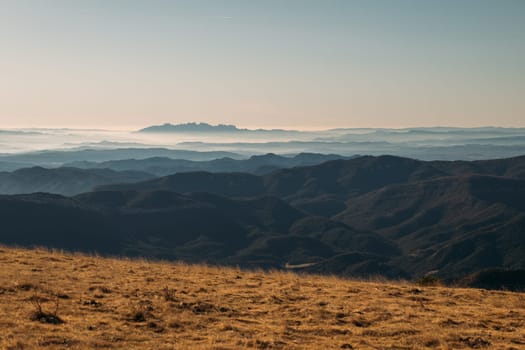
53, 300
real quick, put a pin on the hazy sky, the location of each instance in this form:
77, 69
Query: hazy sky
282, 63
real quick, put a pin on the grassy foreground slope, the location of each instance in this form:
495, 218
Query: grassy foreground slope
135, 304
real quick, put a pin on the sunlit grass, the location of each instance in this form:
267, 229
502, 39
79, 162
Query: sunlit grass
138, 304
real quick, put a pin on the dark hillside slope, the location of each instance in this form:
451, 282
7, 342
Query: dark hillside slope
508, 167
332, 179
320, 189
65, 181
41, 219
452, 224
348, 177
226, 184
261, 231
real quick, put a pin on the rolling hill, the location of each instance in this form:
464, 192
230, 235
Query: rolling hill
56, 158
389, 216
66, 181
162, 166
453, 224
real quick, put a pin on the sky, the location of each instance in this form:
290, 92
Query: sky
269, 63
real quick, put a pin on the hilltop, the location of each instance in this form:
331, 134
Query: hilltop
90, 302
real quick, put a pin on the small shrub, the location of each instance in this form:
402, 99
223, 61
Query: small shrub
26, 286
429, 281
138, 316
140, 311
43, 316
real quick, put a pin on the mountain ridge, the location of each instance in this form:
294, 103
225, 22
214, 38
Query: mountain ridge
65, 180
194, 127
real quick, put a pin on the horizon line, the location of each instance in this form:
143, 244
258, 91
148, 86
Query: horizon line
131, 128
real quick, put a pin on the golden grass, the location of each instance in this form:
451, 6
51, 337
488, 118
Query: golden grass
136, 304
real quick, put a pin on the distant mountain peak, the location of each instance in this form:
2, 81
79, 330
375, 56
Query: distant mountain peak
205, 127
191, 127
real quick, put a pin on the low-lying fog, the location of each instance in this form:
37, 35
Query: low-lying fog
28, 140
421, 143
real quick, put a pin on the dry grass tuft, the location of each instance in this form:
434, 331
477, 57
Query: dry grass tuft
84, 302
38, 314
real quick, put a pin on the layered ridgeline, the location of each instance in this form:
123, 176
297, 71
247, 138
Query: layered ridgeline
83, 175
386, 215
64, 180
430, 143
201, 141
257, 164
57, 158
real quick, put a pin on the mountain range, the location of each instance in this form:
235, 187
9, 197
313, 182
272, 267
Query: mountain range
390, 216
83, 176
206, 128
258, 164
56, 158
